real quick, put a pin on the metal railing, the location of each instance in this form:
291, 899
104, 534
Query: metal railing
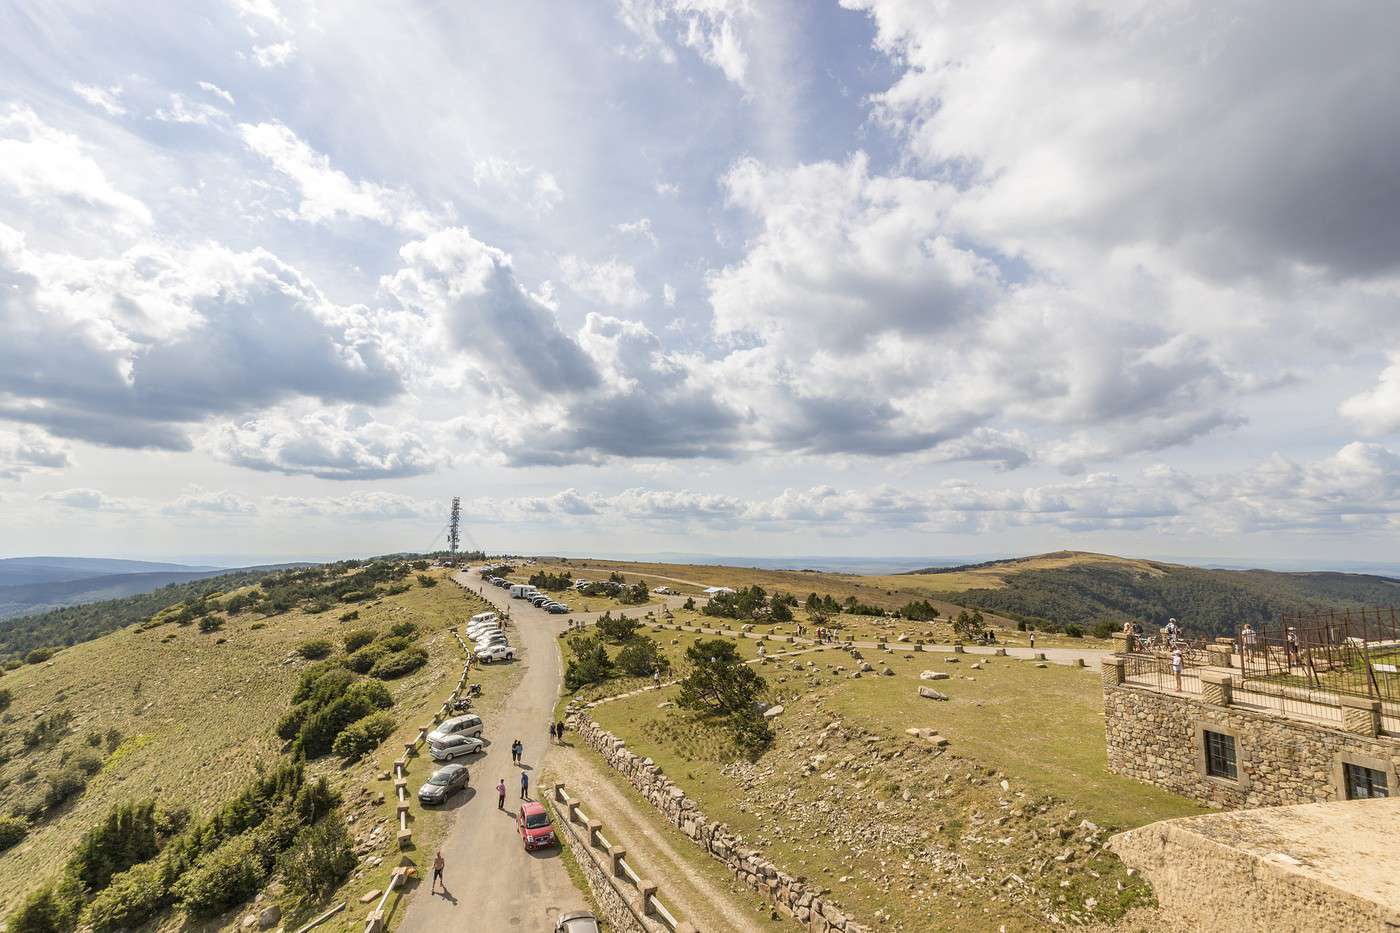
1348, 651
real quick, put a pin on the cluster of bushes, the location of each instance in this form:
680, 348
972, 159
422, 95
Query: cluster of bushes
719, 685
749, 603
386, 656
828, 603
553, 582
591, 664
142, 860
329, 701
919, 611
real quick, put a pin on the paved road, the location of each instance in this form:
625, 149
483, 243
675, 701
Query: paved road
495, 885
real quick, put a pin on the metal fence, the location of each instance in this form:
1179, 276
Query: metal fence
1346, 651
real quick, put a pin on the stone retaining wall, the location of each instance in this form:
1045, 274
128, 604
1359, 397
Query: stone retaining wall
793, 896
1157, 737
620, 913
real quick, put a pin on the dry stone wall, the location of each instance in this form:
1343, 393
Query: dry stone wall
792, 895
621, 915
1156, 737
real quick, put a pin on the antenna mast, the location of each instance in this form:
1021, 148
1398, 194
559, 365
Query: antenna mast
454, 526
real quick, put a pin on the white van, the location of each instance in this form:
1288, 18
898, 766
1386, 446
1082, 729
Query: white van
522, 591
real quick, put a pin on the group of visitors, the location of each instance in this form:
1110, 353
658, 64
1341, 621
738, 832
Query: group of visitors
827, 636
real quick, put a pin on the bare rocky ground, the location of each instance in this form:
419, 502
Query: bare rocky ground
910, 836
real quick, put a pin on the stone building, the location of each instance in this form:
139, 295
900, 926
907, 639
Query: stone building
1223, 741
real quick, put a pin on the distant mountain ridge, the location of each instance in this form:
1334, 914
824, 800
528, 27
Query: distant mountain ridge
27, 598
1086, 589
17, 571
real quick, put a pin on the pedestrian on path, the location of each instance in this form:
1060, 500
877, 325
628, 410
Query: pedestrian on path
438, 865
552, 735
560, 731
501, 795
515, 752
524, 785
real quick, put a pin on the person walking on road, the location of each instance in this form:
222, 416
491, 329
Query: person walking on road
552, 735
560, 731
524, 785
501, 795
438, 865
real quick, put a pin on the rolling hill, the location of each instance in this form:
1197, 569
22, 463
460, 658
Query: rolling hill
17, 571
1085, 589
30, 598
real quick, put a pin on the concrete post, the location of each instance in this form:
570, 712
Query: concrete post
573, 812
559, 792
957, 647
1120, 643
594, 828
615, 858
1111, 671
1219, 655
1000, 652
1217, 688
1361, 715
647, 890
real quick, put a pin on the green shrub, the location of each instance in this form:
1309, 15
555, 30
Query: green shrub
257, 626
590, 663
319, 732
131, 899
363, 736
12, 830
363, 661
399, 663
38, 655
394, 643
5, 699
317, 861
48, 910
63, 785
1074, 631
350, 616
403, 630
425, 580
358, 638
289, 726
211, 624
642, 657
314, 649
228, 876
129, 835
1103, 629
88, 762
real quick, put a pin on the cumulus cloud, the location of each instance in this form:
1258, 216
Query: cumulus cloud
84, 499
129, 351
611, 282
710, 28
639, 228
44, 165
274, 55
537, 192
469, 289
106, 99
1239, 191
198, 501
328, 194
343, 444
363, 507
27, 451
181, 109
1377, 410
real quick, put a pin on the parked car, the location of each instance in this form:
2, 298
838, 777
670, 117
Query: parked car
482, 617
539, 599
444, 783
476, 631
455, 746
492, 638
577, 921
664, 591
468, 724
532, 821
558, 608
495, 653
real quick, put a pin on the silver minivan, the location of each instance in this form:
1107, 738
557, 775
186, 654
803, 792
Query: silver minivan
469, 724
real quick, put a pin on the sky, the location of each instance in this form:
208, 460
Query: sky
876, 277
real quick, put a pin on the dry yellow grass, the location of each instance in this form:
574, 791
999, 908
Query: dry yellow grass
197, 711
993, 576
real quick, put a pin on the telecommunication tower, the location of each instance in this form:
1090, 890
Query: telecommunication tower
454, 525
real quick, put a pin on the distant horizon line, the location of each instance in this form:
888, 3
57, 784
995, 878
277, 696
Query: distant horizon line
822, 562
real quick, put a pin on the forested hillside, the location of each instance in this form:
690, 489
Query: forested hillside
74, 624
1210, 602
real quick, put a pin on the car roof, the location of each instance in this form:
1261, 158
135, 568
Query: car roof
468, 717
449, 770
531, 806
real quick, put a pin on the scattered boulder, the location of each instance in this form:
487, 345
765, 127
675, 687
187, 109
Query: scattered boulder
773, 712
269, 916
934, 675
928, 693
369, 896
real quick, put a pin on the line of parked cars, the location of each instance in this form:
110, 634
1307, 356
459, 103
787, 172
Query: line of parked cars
531, 594
457, 737
488, 636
